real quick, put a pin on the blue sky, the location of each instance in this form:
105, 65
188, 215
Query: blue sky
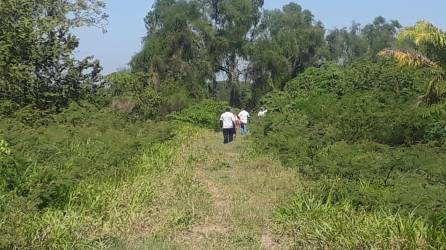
126, 25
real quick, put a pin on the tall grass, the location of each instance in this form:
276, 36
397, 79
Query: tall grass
318, 224
86, 186
98, 213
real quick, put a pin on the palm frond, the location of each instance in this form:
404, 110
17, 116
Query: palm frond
424, 33
408, 58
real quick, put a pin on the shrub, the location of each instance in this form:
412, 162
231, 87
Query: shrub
360, 126
58, 179
359, 76
205, 114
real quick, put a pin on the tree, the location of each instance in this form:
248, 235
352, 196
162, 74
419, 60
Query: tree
345, 45
192, 41
233, 23
37, 66
175, 48
286, 42
423, 45
380, 34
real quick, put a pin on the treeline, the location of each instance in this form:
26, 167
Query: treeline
237, 51
232, 51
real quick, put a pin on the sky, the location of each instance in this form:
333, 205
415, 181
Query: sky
126, 28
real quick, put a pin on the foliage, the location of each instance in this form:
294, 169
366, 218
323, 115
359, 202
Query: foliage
288, 41
235, 42
424, 34
408, 58
205, 114
423, 45
175, 46
359, 76
80, 161
37, 66
125, 83
233, 23
361, 127
54, 175
338, 225
380, 34
134, 93
345, 45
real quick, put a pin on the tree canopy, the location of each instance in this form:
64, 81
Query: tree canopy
203, 44
37, 66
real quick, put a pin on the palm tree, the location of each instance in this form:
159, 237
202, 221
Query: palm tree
427, 49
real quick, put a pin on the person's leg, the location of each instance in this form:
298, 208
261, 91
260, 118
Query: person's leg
243, 129
231, 135
234, 133
225, 136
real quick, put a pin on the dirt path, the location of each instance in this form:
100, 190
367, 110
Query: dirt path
243, 192
217, 197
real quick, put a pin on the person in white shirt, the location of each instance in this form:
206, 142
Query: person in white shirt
227, 123
244, 118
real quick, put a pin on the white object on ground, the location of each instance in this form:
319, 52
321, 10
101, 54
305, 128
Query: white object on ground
262, 113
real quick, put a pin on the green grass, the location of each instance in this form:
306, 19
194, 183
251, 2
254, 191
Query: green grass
176, 186
242, 190
98, 213
67, 186
316, 224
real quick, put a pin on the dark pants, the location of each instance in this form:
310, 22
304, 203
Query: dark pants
228, 135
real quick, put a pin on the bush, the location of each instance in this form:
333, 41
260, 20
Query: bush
360, 126
42, 165
359, 76
205, 114
58, 179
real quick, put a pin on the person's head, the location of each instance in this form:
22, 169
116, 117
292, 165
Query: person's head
228, 109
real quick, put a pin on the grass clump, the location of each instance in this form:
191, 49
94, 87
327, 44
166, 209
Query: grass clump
318, 224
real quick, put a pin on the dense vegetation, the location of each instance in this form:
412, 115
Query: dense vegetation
56, 174
358, 112
359, 137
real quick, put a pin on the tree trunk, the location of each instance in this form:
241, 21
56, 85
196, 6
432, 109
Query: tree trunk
233, 80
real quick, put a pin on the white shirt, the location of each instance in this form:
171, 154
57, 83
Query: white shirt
244, 115
228, 118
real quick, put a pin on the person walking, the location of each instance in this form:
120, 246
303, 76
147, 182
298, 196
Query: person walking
244, 119
227, 123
